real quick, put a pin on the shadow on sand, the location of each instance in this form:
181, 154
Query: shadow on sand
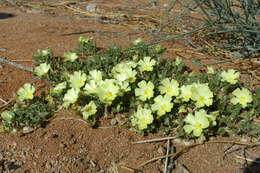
5, 15
253, 167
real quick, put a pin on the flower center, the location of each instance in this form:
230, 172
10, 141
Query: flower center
147, 68
74, 100
187, 96
144, 121
169, 89
80, 82
230, 79
29, 95
202, 99
146, 92
197, 126
164, 107
242, 99
108, 94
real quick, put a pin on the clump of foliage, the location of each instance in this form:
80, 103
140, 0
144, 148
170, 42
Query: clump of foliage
237, 21
157, 94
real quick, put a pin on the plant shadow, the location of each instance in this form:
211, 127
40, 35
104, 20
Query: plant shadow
253, 167
6, 15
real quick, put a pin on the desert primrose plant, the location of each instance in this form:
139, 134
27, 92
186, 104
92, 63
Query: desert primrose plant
153, 93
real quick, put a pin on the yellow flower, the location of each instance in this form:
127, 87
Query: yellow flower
44, 52
88, 110
137, 41
202, 95
145, 90
7, 115
186, 93
230, 76
170, 88
91, 87
178, 61
42, 69
26, 92
123, 87
146, 64
142, 118
211, 70
123, 72
162, 105
196, 123
84, 40
107, 91
70, 97
77, 80
95, 75
59, 88
70, 56
242, 97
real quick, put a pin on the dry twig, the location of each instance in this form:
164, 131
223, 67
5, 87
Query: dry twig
4, 60
167, 158
186, 148
154, 140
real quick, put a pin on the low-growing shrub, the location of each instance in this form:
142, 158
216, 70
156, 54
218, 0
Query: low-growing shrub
153, 93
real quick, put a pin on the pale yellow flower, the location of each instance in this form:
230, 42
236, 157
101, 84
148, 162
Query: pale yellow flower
77, 80
95, 75
202, 95
211, 70
146, 64
26, 92
88, 110
196, 123
142, 118
42, 69
185, 93
230, 76
107, 91
242, 97
59, 88
162, 105
70, 56
70, 97
145, 90
170, 88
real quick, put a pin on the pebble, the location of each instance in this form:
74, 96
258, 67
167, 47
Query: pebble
113, 121
91, 7
62, 145
39, 150
161, 150
27, 130
3, 50
48, 165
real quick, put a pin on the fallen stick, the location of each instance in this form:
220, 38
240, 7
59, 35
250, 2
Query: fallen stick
154, 140
4, 60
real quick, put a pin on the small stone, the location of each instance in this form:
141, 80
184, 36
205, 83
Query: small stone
62, 145
39, 150
48, 165
3, 50
14, 144
91, 7
113, 121
161, 150
27, 130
